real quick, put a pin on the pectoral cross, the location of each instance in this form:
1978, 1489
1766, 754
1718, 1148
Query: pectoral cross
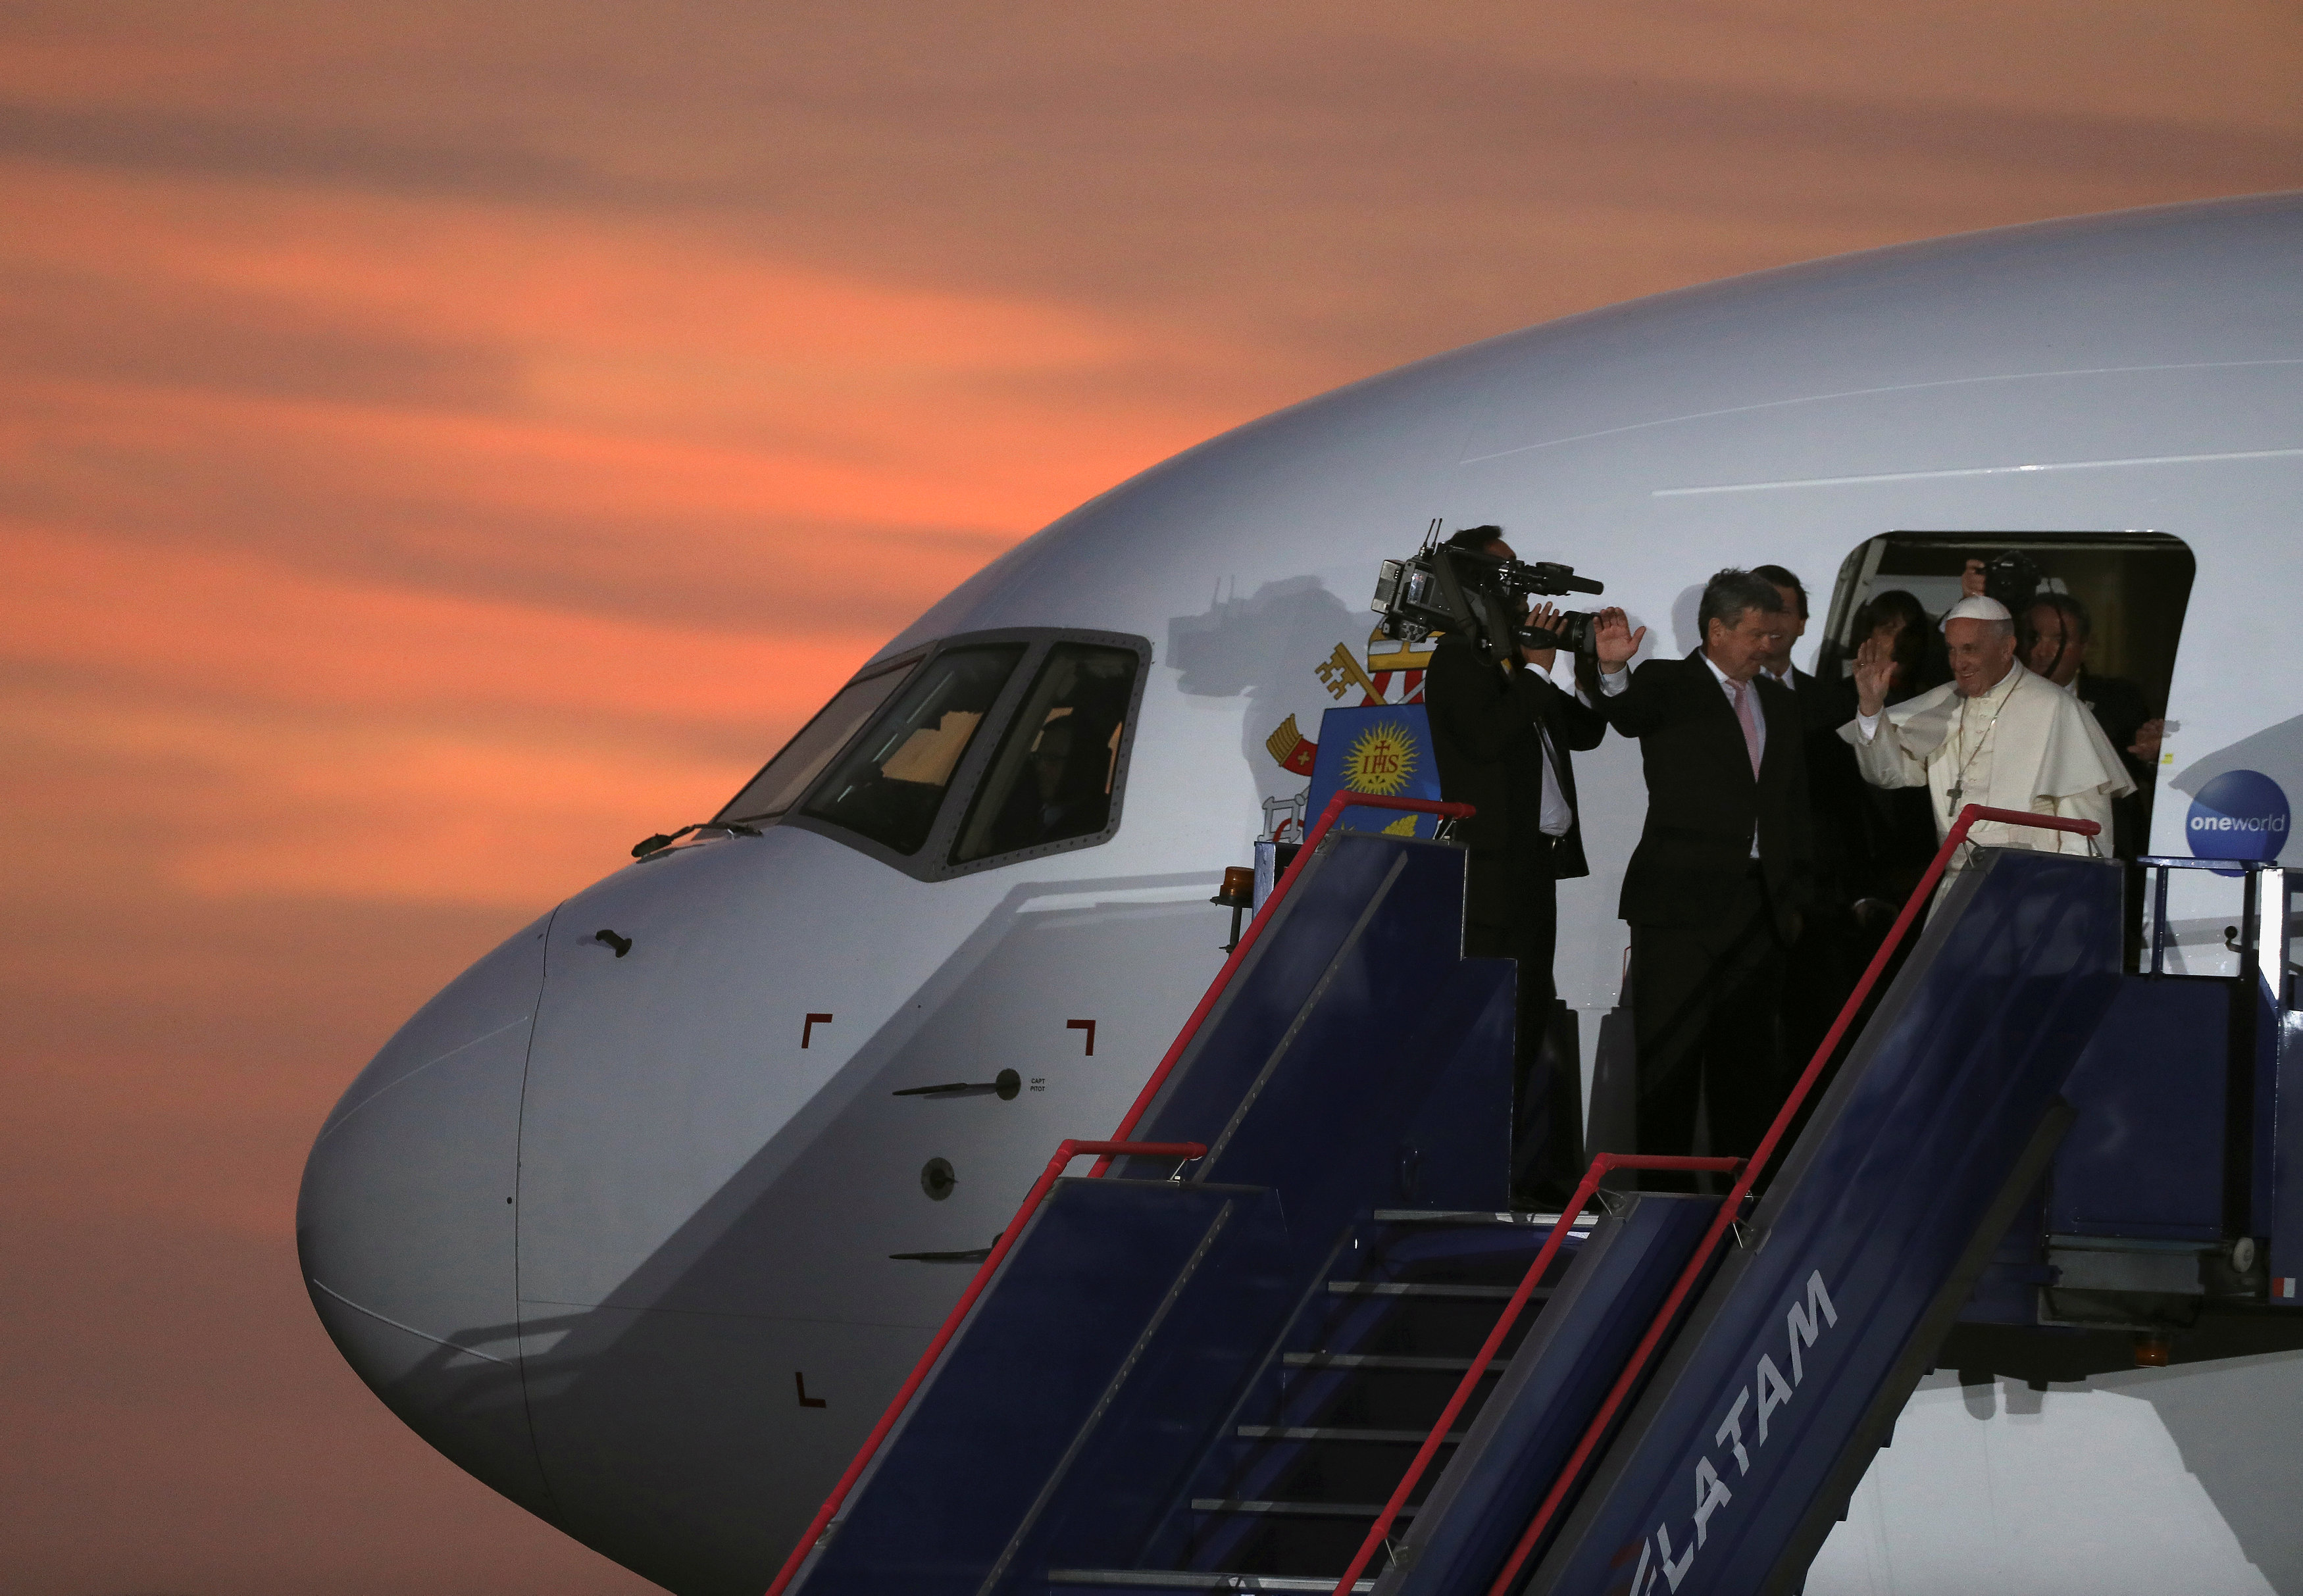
1952, 798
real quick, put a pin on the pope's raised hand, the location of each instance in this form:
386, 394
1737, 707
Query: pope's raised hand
1874, 673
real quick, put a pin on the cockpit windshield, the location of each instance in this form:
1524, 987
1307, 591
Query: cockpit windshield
892, 765
891, 783
1052, 780
785, 777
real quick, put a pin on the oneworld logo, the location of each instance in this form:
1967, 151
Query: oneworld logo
2240, 814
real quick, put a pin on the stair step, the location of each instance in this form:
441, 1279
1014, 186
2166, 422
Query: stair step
1227, 1504
1382, 1360
1165, 1579
1331, 1433
1476, 1216
1442, 1293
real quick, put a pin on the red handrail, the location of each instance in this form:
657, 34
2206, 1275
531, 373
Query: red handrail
1758, 1162
1336, 805
1065, 1153
1584, 1192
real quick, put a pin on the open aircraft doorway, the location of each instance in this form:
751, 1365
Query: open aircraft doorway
2099, 611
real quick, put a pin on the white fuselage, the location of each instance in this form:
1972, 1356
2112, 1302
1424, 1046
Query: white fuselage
594, 1225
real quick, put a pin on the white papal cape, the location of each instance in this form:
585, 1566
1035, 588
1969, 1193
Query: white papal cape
2048, 756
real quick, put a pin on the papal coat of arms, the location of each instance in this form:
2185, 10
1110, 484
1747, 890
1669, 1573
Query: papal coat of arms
1382, 744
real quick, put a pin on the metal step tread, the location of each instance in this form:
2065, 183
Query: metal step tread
1232, 1504
1475, 1216
1443, 1293
1382, 1360
1174, 1579
1332, 1432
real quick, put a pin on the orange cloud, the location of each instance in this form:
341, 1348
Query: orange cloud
221, 626
664, 367
369, 742
346, 807
437, 549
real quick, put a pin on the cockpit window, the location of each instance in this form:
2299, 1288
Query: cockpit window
781, 781
889, 785
1052, 778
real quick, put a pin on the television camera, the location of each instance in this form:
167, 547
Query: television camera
1456, 586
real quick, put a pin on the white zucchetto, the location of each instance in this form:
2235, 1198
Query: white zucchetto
1977, 608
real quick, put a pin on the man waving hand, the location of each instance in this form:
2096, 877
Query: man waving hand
1713, 892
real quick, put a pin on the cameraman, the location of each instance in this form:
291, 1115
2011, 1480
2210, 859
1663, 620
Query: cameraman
1502, 733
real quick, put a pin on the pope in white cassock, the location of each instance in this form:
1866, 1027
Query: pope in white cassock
1995, 734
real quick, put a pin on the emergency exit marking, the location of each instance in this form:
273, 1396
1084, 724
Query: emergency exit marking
808, 1029
1088, 1026
805, 1400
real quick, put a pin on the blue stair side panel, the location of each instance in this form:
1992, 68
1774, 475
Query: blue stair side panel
1378, 916
1548, 1395
1717, 1481
1048, 1342
1456, 1151
2263, 1058
2280, 1212
1426, 1051
2145, 1153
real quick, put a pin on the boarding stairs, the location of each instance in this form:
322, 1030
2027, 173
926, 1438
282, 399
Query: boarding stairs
1351, 1390
1288, 1334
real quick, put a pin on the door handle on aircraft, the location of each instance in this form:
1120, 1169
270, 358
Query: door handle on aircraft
973, 1254
1006, 1084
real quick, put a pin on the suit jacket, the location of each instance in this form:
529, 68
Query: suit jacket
1483, 733
2120, 708
1703, 801
1839, 805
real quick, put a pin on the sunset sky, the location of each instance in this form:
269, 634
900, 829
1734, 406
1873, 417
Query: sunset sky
442, 443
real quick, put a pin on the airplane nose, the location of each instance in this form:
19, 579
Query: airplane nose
406, 1221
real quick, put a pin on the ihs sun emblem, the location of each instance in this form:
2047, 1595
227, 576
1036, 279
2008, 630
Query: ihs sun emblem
1382, 760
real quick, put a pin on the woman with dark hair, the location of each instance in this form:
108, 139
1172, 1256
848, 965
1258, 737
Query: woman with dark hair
1897, 616
1901, 836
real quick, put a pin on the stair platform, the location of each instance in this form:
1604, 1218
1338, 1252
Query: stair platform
1165, 1579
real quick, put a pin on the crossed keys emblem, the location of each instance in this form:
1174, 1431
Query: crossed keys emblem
1341, 673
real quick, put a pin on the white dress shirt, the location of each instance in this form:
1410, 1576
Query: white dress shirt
1556, 818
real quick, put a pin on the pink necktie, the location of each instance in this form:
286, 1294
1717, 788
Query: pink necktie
1747, 710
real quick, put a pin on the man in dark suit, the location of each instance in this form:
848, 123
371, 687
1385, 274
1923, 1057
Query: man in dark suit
1724, 866
1822, 969
2057, 632
1502, 735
